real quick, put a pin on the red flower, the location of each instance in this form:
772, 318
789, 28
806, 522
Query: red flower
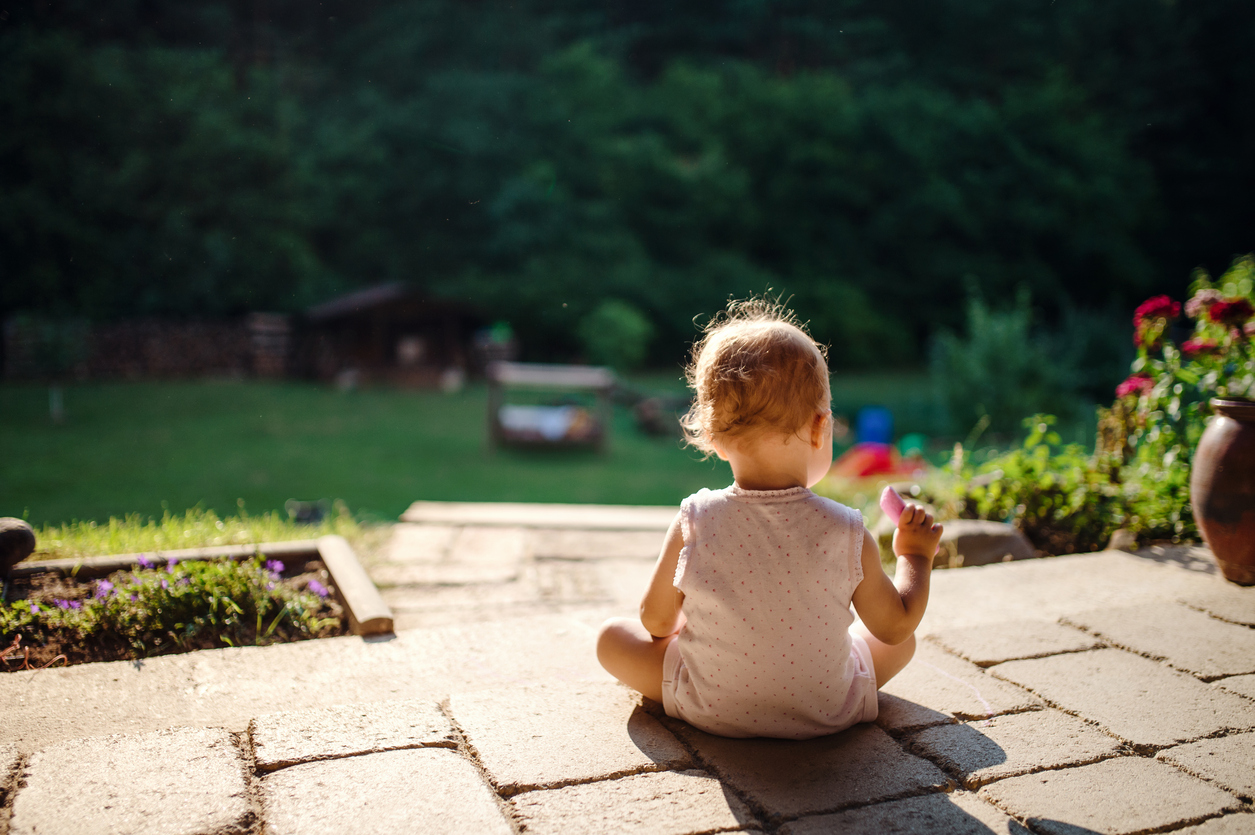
1159, 307
1233, 312
1137, 384
1197, 307
1194, 347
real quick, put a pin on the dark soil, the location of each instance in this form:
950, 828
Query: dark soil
65, 647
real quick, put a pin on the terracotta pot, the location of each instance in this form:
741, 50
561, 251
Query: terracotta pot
1222, 488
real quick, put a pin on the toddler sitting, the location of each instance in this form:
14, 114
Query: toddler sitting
746, 627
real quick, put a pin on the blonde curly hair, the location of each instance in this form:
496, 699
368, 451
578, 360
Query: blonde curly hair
754, 369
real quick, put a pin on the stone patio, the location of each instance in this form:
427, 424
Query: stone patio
1107, 692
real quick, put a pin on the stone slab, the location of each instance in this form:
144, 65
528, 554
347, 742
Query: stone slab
1187, 639
596, 545
1229, 762
959, 813
452, 556
10, 762
1233, 603
432, 790
555, 734
1232, 824
990, 644
182, 781
1047, 589
788, 778
229, 687
1006, 746
1242, 685
937, 687
1119, 796
571, 516
657, 803
284, 739
1138, 700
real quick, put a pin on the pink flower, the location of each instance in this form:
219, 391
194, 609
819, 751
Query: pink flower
1196, 347
1234, 312
1135, 385
1197, 307
1158, 307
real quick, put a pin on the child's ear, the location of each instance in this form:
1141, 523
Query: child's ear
819, 428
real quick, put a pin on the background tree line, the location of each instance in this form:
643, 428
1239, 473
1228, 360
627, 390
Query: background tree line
882, 163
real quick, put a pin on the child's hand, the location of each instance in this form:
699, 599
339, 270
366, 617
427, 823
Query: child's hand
917, 533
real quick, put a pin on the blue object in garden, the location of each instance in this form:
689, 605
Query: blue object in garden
874, 424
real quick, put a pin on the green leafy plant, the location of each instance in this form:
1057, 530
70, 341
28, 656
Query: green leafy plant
157, 610
1137, 478
616, 334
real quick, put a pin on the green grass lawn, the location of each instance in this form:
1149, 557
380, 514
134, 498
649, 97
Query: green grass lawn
152, 446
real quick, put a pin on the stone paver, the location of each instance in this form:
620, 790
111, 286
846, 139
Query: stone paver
182, 781
658, 803
573, 516
429, 790
596, 545
959, 813
1228, 602
284, 739
452, 556
1047, 589
550, 735
1229, 762
937, 687
787, 778
1119, 796
1242, 685
1228, 825
1006, 746
1186, 638
1132, 697
987, 645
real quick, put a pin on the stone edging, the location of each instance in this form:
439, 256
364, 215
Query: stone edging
367, 611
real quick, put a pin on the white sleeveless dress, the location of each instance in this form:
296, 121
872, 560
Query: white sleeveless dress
767, 577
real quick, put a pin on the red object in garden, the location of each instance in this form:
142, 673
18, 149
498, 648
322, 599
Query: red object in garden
1222, 488
868, 459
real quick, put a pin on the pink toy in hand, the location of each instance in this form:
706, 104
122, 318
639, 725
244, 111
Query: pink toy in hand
892, 504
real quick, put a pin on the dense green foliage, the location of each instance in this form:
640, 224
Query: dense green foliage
870, 160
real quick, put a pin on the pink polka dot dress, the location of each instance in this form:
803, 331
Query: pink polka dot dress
767, 577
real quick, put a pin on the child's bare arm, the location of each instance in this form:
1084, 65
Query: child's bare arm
660, 608
892, 610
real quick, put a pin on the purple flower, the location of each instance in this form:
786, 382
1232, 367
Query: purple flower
274, 566
144, 562
164, 584
34, 607
103, 589
270, 587
317, 588
170, 564
134, 597
68, 604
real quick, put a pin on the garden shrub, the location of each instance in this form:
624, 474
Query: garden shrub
616, 334
999, 371
1138, 475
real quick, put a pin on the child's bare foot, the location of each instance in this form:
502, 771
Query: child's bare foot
917, 533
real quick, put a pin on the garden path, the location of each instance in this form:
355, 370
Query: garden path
1106, 692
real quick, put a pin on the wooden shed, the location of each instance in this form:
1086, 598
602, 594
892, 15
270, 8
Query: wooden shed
388, 333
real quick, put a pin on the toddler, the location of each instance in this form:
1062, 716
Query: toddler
746, 627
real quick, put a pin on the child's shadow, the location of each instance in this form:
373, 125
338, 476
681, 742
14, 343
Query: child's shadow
858, 780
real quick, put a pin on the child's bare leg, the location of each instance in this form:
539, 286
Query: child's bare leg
632, 655
887, 659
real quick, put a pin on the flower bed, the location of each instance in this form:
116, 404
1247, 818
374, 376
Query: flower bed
164, 606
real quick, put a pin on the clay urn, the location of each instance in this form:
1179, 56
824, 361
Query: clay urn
17, 542
1222, 488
